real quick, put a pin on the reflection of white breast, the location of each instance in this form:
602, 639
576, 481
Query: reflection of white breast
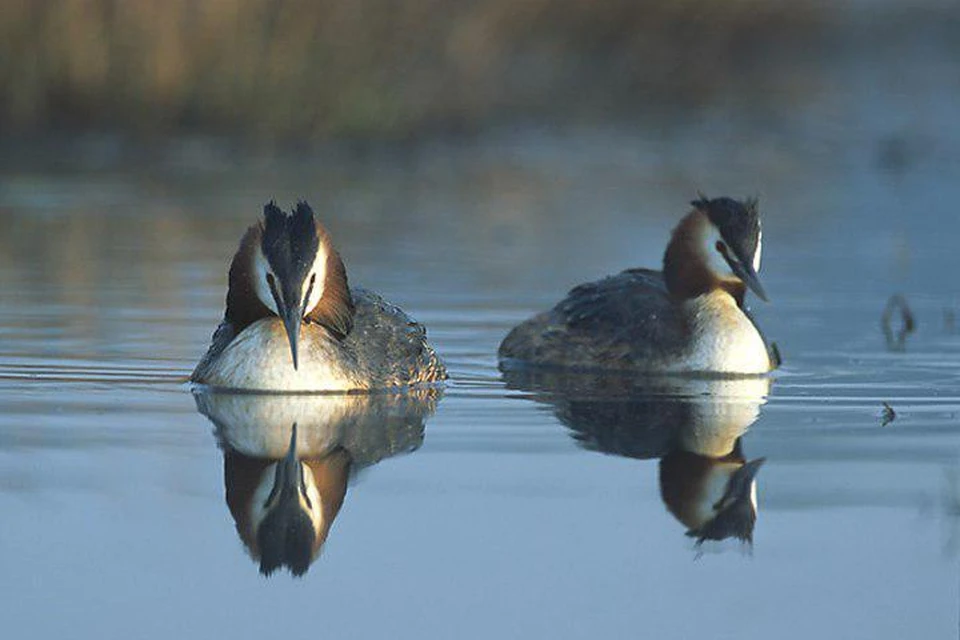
258, 425
722, 411
369, 426
724, 338
259, 358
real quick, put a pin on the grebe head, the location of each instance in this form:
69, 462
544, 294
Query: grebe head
715, 498
287, 266
288, 516
284, 508
718, 244
735, 513
736, 238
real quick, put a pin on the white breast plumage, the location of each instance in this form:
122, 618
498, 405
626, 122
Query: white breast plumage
259, 358
724, 339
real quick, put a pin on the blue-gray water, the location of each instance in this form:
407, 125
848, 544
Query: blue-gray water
499, 524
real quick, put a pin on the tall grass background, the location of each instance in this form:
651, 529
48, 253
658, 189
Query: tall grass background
313, 69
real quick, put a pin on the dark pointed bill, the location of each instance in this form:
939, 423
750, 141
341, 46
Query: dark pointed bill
749, 470
746, 272
292, 449
291, 324
738, 487
286, 535
286, 479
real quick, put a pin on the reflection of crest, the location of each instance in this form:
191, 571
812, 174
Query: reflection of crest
693, 425
287, 460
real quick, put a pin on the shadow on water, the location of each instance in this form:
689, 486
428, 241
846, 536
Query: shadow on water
694, 427
287, 461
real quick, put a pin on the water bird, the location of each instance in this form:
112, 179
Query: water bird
288, 460
293, 323
694, 425
292, 507
715, 498
688, 319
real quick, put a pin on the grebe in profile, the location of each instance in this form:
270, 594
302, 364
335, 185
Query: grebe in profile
293, 324
688, 319
694, 425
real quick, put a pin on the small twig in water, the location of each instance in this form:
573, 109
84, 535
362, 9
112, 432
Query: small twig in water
888, 415
897, 341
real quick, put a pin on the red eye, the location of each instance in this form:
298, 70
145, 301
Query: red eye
721, 247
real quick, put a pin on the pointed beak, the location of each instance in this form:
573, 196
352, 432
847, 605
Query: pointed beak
291, 324
739, 484
291, 457
746, 272
749, 470
286, 534
286, 482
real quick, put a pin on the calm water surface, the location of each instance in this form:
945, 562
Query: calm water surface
504, 508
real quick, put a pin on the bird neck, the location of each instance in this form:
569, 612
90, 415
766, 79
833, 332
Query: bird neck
686, 270
335, 309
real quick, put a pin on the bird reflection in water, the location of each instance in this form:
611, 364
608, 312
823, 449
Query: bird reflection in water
693, 425
287, 460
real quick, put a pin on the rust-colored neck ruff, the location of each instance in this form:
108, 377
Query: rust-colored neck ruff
686, 269
243, 306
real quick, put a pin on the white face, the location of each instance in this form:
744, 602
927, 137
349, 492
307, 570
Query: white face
316, 274
711, 493
715, 260
258, 507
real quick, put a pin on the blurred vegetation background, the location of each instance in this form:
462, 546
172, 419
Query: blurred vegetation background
517, 145
294, 70
282, 73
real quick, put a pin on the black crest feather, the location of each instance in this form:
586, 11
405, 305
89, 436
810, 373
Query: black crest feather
738, 222
289, 242
286, 538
